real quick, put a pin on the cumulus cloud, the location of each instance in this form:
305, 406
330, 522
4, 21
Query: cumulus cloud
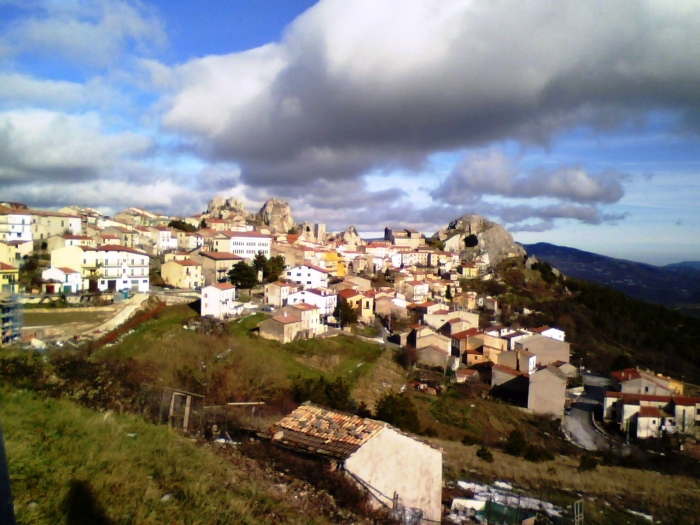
92, 32
492, 173
38, 145
365, 84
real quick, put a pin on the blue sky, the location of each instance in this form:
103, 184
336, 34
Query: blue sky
574, 123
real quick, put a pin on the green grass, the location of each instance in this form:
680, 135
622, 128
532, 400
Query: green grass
162, 343
66, 460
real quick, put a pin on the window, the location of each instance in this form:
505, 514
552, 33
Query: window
646, 389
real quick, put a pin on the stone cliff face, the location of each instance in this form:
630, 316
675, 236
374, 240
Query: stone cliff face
475, 237
277, 215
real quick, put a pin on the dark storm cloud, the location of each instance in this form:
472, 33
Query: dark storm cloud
331, 101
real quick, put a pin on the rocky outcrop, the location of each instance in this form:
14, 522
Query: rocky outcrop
223, 208
351, 238
277, 215
477, 238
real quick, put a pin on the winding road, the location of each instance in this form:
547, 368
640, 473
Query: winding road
579, 424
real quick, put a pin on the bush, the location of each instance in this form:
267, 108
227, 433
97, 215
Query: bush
588, 463
484, 454
516, 444
398, 410
537, 455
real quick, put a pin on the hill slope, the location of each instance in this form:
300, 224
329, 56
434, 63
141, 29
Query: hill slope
672, 285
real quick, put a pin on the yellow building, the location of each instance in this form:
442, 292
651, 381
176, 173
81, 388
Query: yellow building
9, 278
335, 264
182, 274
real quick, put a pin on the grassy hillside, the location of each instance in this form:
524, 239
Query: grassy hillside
70, 465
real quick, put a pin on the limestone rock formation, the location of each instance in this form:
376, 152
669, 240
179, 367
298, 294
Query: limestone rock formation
277, 215
475, 237
223, 208
351, 238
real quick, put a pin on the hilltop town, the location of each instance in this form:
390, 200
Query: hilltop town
439, 310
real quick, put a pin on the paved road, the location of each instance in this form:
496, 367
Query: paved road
578, 424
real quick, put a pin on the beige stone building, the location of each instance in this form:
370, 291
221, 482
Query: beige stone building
401, 473
216, 265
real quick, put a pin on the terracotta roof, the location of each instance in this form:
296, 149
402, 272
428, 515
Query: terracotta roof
286, 319
305, 306
466, 372
186, 262
67, 270
348, 293
649, 412
626, 375
312, 428
223, 286
508, 370
686, 401
4, 266
466, 333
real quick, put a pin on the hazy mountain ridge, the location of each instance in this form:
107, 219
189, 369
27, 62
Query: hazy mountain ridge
671, 285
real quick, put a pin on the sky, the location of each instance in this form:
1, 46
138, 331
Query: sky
575, 123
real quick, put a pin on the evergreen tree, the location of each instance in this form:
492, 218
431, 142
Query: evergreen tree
243, 275
345, 313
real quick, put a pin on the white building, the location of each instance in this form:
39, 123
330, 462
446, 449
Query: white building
165, 241
243, 244
308, 276
277, 293
122, 268
219, 300
322, 298
15, 225
68, 281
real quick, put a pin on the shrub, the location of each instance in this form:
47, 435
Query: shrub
484, 454
537, 454
398, 410
516, 444
588, 463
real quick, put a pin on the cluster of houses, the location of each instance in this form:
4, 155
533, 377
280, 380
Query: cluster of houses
645, 405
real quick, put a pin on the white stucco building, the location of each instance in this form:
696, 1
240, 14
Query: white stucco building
219, 300
322, 298
308, 276
243, 244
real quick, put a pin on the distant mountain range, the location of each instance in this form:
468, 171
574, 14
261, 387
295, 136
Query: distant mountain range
675, 285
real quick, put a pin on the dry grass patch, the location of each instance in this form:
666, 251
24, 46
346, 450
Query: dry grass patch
665, 497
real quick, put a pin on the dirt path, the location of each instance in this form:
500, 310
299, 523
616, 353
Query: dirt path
130, 306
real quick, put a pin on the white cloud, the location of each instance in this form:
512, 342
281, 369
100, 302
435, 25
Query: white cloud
493, 173
92, 32
46, 145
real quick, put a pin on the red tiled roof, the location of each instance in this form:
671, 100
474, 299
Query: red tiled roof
626, 375
649, 412
466, 333
305, 306
508, 370
186, 262
286, 319
4, 266
223, 286
67, 270
348, 293
686, 400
